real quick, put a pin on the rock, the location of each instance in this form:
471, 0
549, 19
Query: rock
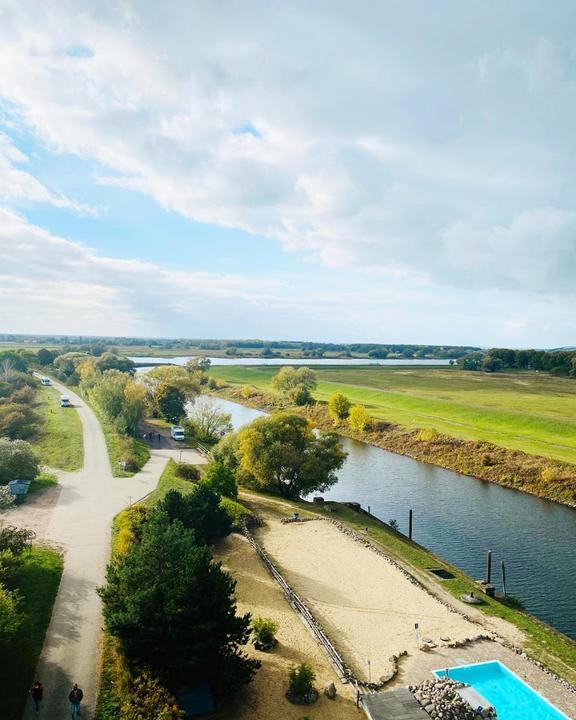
330, 691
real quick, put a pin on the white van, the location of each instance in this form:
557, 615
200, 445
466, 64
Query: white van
177, 432
45, 381
65, 401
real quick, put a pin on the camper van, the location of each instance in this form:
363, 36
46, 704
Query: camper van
177, 432
45, 381
65, 401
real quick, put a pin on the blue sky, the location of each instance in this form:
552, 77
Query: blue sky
226, 169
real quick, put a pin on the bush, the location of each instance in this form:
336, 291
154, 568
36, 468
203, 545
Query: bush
246, 391
427, 434
301, 680
187, 471
549, 474
10, 617
7, 499
264, 630
358, 418
148, 699
17, 461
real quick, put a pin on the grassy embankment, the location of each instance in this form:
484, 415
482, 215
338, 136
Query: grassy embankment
60, 443
121, 447
531, 448
543, 643
37, 582
115, 674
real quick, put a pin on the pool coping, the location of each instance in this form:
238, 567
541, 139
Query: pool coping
501, 664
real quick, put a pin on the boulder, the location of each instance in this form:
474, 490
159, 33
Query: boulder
330, 691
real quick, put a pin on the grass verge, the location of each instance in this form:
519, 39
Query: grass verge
37, 582
543, 643
122, 447
42, 482
60, 443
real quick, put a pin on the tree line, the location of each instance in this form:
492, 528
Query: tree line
555, 362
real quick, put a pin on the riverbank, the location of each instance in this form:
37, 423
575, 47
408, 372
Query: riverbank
546, 478
520, 632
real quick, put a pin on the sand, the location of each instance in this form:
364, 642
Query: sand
264, 699
367, 606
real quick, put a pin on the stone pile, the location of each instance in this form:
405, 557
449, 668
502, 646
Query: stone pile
440, 700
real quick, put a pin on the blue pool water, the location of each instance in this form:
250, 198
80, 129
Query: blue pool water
512, 698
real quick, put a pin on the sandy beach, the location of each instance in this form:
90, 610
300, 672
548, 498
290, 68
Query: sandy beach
258, 593
368, 607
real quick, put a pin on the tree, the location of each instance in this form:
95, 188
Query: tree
17, 461
471, 361
111, 361
109, 392
221, 480
170, 402
339, 406
46, 357
295, 385
227, 452
13, 360
134, 407
199, 511
172, 608
207, 422
66, 363
358, 418
282, 454
178, 377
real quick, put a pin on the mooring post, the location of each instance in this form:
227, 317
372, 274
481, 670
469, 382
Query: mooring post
489, 567
504, 577
410, 524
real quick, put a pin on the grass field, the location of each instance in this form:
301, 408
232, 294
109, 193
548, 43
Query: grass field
37, 581
532, 412
60, 444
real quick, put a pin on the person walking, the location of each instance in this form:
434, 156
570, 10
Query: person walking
37, 693
75, 698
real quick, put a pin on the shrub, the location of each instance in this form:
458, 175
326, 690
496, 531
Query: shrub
549, 474
264, 630
301, 680
246, 391
339, 406
17, 461
427, 434
7, 499
187, 471
10, 617
148, 699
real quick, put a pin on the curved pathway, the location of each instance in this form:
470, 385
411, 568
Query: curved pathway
80, 524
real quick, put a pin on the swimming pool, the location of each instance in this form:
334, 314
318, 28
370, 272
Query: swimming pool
512, 698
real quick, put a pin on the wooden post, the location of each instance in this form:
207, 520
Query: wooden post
504, 577
410, 520
489, 567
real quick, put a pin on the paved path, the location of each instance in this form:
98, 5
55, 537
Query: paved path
80, 523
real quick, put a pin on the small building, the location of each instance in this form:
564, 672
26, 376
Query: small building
19, 488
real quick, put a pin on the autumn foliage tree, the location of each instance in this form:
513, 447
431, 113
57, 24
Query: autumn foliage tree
339, 406
358, 418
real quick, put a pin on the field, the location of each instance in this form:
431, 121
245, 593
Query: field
532, 412
60, 444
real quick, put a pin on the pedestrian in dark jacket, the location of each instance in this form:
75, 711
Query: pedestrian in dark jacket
75, 698
37, 693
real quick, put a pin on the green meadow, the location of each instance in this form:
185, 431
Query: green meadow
532, 412
60, 443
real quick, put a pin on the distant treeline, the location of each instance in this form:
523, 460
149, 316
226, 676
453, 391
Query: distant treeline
556, 362
97, 345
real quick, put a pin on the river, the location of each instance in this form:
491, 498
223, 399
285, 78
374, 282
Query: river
460, 518
287, 361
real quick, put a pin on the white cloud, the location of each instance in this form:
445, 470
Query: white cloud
17, 185
379, 133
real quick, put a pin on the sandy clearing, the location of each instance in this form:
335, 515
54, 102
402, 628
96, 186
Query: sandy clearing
367, 606
264, 699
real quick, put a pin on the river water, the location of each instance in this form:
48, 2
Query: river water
286, 361
460, 518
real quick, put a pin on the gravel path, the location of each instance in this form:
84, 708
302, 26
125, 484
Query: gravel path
79, 522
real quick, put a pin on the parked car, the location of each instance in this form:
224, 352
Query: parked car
177, 432
45, 381
65, 401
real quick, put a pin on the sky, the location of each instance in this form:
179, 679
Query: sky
367, 171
